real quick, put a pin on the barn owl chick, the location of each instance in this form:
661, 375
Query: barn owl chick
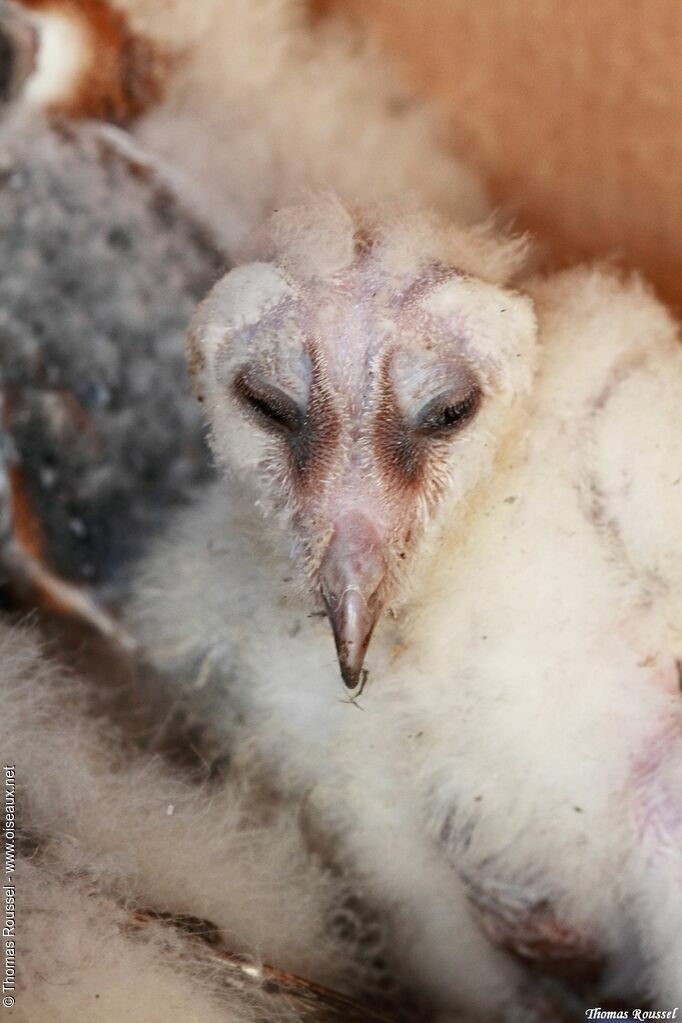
360, 385
400, 437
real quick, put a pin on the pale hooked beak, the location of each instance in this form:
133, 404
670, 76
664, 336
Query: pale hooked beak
351, 576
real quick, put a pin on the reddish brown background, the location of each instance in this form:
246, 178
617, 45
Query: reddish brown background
571, 109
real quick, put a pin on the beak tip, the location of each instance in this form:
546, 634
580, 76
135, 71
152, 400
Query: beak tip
352, 573
351, 675
352, 626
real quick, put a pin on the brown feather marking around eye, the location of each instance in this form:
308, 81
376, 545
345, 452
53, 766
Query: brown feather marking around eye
310, 434
319, 435
400, 450
403, 445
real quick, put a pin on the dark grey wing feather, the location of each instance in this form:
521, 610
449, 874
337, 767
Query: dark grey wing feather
101, 270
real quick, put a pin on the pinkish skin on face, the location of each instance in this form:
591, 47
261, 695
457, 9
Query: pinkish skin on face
362, 469
360, 389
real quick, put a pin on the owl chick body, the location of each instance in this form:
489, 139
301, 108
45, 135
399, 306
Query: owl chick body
510, 776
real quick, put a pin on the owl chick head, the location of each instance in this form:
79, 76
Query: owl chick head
358, 378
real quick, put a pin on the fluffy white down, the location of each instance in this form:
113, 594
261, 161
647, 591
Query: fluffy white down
519, 736
108, 830
81, 959
262, 104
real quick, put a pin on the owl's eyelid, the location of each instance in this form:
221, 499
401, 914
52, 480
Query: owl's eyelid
269, 402
470, 399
